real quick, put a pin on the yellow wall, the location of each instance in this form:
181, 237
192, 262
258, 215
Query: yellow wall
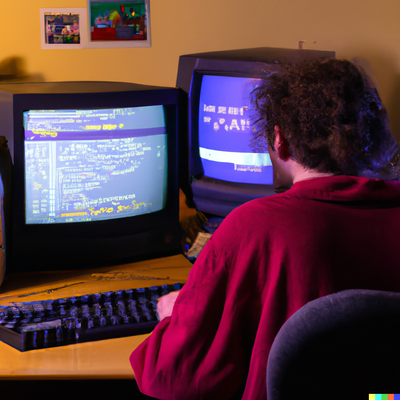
366, 28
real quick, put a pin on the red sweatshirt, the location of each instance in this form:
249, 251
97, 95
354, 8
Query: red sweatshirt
267, 259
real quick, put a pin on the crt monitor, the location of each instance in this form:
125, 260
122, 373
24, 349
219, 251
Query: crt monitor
94, 174
223, 170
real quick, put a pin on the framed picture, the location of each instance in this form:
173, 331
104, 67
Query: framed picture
63, 28
119, 23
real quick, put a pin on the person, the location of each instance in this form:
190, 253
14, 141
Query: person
336, 228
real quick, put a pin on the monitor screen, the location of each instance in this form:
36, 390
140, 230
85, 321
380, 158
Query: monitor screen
89, 165
225, 131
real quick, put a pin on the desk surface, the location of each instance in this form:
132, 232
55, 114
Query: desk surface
105, 359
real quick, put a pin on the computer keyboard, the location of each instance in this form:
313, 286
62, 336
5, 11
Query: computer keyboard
65, 321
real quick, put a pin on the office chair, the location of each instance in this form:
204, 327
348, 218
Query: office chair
341, 346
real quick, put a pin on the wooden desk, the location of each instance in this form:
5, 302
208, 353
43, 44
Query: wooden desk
101, 360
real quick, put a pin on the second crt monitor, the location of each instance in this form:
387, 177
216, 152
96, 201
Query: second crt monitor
224, 171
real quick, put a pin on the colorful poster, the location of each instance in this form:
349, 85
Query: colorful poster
119, 23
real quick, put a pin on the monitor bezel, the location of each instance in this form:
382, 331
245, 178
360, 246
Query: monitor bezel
105, 240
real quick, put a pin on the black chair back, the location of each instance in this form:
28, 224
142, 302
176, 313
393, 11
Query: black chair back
341, 346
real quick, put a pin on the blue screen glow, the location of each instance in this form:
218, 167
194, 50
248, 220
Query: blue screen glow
225, 131
91, 165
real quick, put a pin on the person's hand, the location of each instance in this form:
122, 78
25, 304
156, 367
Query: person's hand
166, 303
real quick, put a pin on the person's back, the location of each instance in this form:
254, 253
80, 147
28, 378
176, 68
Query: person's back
329, 232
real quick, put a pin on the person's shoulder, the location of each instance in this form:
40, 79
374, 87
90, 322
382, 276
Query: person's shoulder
255, 211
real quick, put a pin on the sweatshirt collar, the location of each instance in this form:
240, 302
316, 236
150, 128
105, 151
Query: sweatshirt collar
347, 188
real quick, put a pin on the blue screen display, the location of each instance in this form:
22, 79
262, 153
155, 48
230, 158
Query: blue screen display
225, 131
90, 165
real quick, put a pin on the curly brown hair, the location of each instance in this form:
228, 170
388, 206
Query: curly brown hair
330, 114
